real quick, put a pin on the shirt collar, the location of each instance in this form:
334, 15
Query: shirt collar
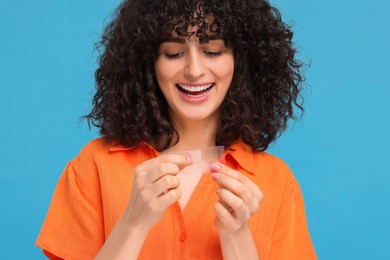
143, 145
239, 151
243, 155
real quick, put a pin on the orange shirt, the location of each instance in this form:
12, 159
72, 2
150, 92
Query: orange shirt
95, 188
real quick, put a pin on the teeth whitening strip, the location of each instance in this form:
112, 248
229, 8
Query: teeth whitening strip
208, 154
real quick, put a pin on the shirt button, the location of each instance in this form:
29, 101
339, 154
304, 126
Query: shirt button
182, 237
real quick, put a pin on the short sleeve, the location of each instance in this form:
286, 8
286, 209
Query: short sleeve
73, 228
291, 238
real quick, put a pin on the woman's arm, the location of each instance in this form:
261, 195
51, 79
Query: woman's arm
238, 245
124, 242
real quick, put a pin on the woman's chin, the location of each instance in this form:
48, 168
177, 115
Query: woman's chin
196, 115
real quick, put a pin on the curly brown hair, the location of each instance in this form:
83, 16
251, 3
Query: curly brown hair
128, 106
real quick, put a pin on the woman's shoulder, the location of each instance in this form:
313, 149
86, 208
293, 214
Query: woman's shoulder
101, 147
274, 175
95, 152
100, 151
98, 145
271, 167
270, 161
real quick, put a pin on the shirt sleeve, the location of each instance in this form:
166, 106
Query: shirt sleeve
291, 238
73, 228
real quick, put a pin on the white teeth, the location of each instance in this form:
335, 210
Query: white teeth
195, 89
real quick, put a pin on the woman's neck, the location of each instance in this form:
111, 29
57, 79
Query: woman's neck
195, 134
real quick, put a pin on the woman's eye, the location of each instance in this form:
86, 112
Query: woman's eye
173, 55
213, 53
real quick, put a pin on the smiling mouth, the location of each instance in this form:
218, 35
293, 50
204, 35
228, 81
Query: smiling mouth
194, 90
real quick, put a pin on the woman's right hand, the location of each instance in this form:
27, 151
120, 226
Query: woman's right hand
155, 188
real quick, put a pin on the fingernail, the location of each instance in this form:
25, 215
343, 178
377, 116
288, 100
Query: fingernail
214, 176
218, 190
215, 167
189, 159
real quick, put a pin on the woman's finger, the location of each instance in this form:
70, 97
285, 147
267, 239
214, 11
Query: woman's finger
165, 183
236, 206
169, 197
152, 170
237, 188
252, 187
225, 220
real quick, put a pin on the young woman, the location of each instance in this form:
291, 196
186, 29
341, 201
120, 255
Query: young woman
177, 76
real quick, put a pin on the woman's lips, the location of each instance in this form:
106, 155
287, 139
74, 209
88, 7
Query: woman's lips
195, 94
194, 90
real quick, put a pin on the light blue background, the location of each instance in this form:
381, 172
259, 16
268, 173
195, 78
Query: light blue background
339, 151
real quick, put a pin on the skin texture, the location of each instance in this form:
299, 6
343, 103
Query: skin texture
192, 63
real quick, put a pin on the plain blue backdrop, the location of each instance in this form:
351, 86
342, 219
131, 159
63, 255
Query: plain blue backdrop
338, 151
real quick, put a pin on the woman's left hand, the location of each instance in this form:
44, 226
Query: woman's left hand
239, 199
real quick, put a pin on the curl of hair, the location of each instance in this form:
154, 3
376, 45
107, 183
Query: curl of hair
128, 106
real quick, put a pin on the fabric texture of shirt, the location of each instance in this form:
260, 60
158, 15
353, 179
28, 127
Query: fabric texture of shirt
95, 187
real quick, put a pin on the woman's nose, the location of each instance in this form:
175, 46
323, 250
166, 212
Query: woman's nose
195, 67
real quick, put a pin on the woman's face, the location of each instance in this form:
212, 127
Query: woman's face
194, 77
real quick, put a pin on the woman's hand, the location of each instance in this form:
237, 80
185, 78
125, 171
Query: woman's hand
155, 188
239, 198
